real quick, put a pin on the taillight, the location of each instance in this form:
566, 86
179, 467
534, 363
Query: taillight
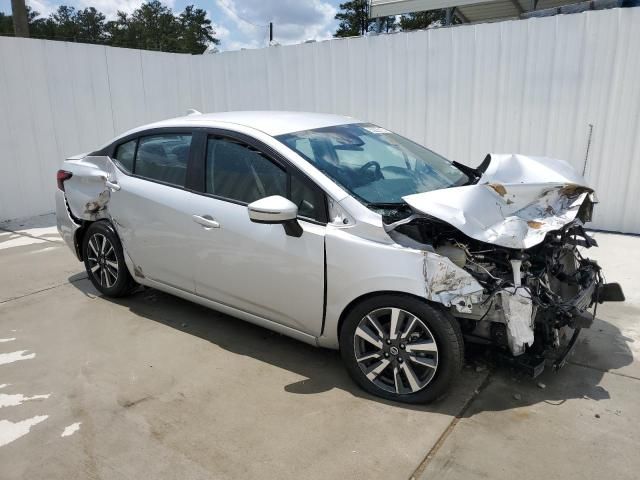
61, 176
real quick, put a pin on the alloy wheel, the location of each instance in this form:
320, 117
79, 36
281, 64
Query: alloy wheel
103, 261
395, 350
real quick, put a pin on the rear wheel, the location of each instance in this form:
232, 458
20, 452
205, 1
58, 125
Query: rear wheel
401, 348
104, 261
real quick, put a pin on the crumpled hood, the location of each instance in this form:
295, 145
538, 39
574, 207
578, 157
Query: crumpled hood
516, 202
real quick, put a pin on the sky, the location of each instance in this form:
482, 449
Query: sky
238, 23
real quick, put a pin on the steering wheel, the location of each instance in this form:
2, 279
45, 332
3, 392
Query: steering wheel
373, 163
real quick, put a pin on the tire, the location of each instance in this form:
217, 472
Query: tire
432, 371
104, 261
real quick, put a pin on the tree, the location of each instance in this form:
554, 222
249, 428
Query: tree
156, 27
6, 24
91, 26
152, 26
41, 27
354, 20
64, 20
196, 32
122, 32
420, 20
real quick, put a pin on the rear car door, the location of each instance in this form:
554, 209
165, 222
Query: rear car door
150, 205
254, 267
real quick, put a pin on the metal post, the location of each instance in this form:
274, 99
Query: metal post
20, 22
270, 32
447, 20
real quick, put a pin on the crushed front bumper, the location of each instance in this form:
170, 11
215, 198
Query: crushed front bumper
533, 362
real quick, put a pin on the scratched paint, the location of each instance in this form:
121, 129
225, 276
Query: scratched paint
11, 431
15, 356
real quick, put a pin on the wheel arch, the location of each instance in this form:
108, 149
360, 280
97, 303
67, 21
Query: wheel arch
79, 242
356, 301
78, 238
82, 231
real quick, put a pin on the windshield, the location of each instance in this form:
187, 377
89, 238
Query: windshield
376, 166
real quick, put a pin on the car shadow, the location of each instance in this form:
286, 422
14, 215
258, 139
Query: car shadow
601, 349
323, 370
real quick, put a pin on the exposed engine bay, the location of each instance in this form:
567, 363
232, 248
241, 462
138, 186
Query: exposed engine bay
538, 290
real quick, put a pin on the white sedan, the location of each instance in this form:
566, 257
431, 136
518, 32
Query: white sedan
343, 235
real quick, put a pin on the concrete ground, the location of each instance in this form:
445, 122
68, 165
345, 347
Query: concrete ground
157, 387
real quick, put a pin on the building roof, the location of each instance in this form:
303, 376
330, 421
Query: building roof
471, 11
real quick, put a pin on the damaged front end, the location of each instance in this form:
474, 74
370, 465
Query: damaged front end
519, 233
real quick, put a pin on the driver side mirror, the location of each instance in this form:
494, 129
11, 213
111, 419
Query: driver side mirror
276, 209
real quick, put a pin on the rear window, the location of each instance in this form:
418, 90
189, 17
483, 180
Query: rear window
156, 157
163, 158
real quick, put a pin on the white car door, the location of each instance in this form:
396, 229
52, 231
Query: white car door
254, 267
151, 208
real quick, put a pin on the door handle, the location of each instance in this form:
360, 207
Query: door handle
206, 221
112, 185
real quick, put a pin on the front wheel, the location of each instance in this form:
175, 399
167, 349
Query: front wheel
401, 348
104, 261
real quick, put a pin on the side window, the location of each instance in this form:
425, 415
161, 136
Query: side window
163, 157
310, 200
240, 173
124, 155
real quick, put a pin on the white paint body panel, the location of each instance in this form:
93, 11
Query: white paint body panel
155, 226
258, 268
358, 266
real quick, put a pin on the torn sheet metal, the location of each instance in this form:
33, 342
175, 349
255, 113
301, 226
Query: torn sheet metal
449, 284
517, 308
87, 193
516, 202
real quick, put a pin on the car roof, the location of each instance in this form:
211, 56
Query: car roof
272, 123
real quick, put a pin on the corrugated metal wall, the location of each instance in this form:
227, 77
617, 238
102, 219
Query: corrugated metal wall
529, 86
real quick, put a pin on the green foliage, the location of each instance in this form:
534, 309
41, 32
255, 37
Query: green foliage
354, 20
90, 25
153, 26
420, 20
6, 24
150, 27
196, 31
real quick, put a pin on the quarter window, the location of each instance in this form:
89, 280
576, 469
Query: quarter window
163, 158
310, 200
125, 153
241, 173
